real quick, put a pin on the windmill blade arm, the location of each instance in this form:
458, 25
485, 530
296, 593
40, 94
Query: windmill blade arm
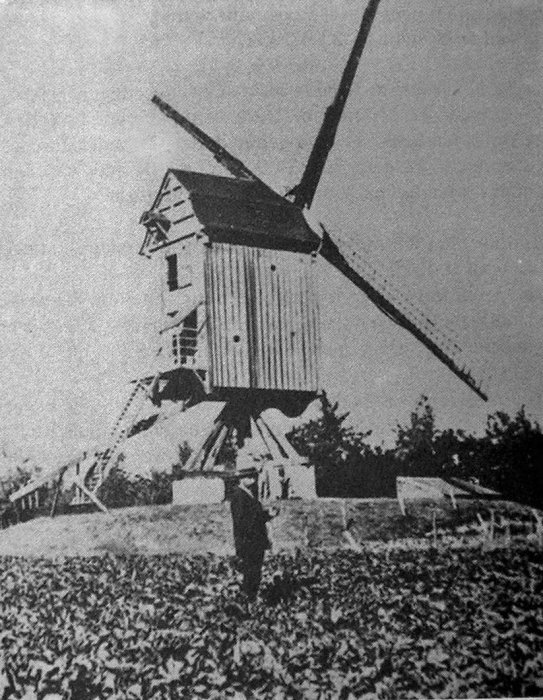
339, 254
305, 190
221, 155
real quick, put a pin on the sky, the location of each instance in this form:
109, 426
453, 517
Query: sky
435, 171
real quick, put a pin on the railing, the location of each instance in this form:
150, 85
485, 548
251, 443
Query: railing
184, 347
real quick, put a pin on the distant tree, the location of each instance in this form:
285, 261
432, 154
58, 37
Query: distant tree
15, 471
121, 489
14, 480
422, 449
415, 442
326, 441
153, 490
346, 465
118, 489
509, 457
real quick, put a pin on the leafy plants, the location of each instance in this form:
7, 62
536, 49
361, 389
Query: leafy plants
411, 624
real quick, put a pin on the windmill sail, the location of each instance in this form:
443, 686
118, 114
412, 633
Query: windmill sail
304, 192
344, 256
221, 155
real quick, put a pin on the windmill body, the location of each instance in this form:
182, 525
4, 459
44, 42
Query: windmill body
235, 266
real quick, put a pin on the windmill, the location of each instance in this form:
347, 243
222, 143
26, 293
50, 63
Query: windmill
236, 266
238, 263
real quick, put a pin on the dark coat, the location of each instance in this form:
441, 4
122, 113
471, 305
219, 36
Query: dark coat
249, 521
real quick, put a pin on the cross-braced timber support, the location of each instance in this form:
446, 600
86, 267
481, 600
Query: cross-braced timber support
283, 473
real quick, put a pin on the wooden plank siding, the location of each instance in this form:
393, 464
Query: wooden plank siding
263, 318
173, 201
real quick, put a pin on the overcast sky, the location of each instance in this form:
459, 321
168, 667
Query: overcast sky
436, 171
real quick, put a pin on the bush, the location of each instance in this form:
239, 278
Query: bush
120, 490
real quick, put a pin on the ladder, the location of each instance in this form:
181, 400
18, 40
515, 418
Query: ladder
99, 468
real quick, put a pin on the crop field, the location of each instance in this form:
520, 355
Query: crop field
378, 623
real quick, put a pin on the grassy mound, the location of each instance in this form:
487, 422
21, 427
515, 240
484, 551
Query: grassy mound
208, 528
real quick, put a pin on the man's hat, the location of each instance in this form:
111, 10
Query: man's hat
247, 471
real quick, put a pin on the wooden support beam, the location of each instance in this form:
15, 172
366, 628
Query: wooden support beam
93, 497
204, 445
58, 488
280, 440
218, 442
270, 445
55, 497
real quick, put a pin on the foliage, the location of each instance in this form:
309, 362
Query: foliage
415, 446
9, 483
329, 624
326, 440
508, 457
421, 448
120, 489
336, 449
15, 472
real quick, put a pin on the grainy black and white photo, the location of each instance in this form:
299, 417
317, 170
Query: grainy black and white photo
271, 349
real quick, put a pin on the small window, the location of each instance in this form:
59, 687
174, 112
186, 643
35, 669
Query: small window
171, 262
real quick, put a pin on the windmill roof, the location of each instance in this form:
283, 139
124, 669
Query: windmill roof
246, 212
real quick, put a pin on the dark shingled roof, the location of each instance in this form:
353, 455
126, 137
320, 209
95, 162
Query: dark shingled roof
246, 213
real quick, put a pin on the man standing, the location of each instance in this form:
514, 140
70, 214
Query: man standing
250, 532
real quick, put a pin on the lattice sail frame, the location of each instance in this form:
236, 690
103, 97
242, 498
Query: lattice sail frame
384, 293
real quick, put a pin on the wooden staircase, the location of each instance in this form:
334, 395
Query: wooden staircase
99, 464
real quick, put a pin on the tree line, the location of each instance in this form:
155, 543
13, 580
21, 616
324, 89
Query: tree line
506, 458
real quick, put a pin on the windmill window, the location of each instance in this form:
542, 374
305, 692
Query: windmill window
171, 262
